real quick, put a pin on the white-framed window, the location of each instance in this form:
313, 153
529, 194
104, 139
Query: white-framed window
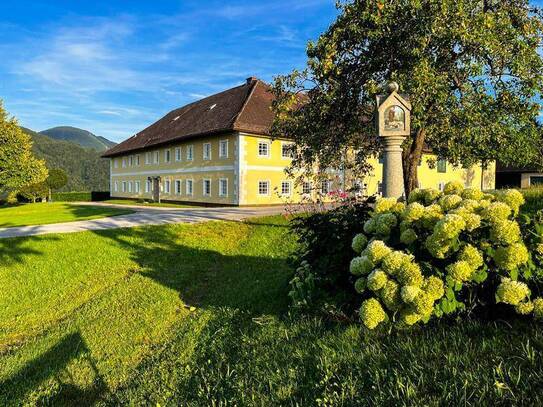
306, 188
138, 160
148, 158
223, 149
123, 186
137, 187
325, 187
206, 187
148, 186
115, 163
116, 186
124, 162
129, 186
190, 153
157, 157
223, 187
287, 150
167, 155
131, 161
167, 186
207, 151
189, 186
263, 187
441, 185
178, 154
285, 188
178, 187
263, 148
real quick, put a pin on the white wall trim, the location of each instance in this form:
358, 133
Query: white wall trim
111, 176
266, 168
242, 171
176, 171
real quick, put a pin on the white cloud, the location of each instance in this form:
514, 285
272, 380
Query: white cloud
116, 75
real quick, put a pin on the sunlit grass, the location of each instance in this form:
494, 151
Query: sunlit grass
45, 213
534, 199
106, 317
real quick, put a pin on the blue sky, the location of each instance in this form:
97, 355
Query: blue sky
114, 67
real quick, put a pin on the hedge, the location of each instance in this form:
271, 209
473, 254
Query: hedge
80, 196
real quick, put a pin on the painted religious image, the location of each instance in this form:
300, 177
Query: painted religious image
394, 118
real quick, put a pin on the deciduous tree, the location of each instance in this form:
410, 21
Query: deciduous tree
18, 167
56, 179
471, 68
34, 192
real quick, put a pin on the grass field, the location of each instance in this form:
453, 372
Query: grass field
56, 212
106, 317
138, 203
534, 199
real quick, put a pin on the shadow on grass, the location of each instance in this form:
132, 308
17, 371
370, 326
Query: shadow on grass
204, 277
14, 250
51, 365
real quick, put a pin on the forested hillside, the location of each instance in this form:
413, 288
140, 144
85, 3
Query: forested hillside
81, 137
86, 170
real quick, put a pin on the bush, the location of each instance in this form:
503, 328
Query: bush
71, 196
80, 196
324, 243
441, 253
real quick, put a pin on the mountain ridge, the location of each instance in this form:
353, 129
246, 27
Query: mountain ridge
83, 138
86, 170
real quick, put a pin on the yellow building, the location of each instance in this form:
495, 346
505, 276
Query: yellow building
218, 151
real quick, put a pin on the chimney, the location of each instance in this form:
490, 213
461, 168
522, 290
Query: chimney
251, 79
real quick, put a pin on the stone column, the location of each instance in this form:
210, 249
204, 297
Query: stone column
393, 185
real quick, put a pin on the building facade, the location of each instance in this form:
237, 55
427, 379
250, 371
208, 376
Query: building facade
518, 177
218, 151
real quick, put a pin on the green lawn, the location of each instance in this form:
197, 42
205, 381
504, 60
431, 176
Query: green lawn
56, 212
534, 199
141, 203
106, 317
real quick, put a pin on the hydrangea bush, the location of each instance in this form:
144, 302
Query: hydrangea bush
426, 257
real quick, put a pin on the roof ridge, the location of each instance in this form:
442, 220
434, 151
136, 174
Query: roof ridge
245, 103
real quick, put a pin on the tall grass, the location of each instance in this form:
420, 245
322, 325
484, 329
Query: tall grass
534, 199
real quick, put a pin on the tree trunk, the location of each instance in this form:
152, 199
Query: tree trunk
49, 197
411, 158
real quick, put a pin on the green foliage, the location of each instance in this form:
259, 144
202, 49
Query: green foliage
34, 192
56, 179
472, 71
532, 232
18, 166
466, 251
302, 287
324, 240
85, 168
72, 196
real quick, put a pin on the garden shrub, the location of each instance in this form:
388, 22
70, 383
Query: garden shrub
324, 251
92, 196
440, 253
